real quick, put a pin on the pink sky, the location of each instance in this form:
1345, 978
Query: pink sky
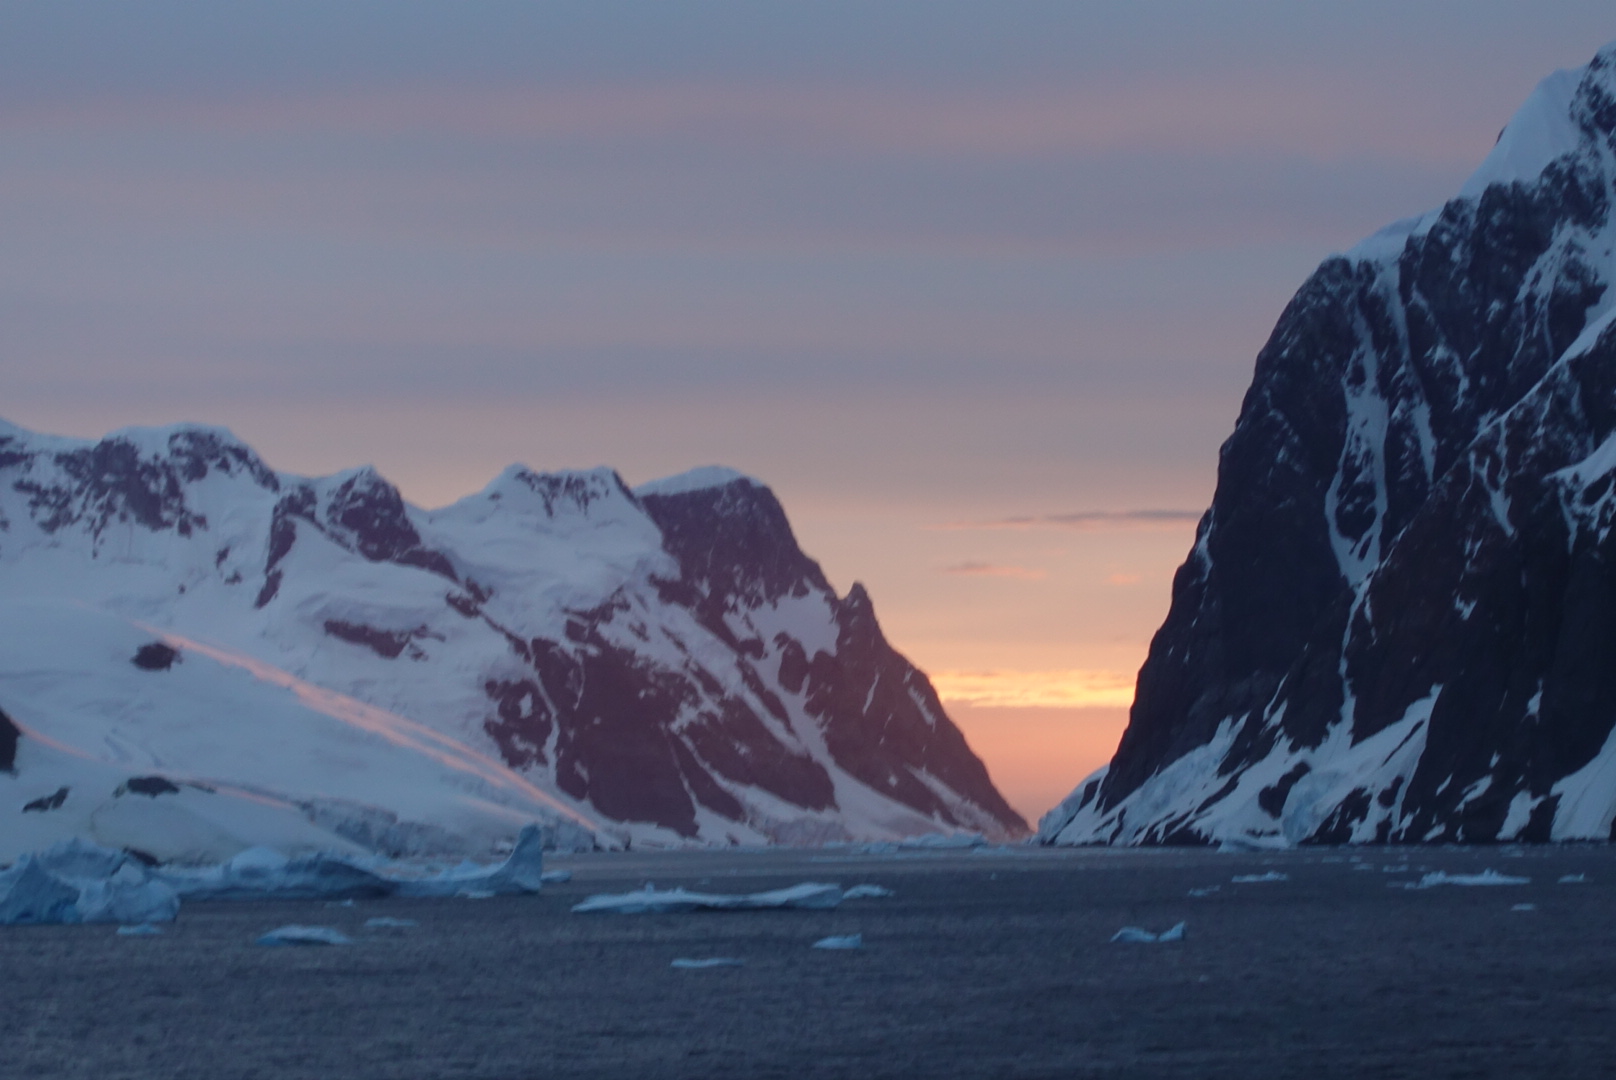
968, 286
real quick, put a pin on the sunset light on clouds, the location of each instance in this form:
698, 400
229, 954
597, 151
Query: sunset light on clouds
976, 290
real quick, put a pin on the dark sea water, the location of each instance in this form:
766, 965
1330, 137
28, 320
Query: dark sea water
982, 965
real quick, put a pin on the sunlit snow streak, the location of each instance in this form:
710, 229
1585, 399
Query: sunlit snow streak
396, 729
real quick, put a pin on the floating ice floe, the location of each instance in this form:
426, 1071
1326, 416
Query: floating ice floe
556, 877
1258, 879
1486, 877
809, 895
78, 882
707, 962
144, 929
1206, 890
304, 935
846, 941
866, 892
1139, 935
387, 922
1574, 879
1524, 907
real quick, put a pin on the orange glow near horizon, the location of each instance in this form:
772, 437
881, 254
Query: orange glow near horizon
1037, 755
1076, 688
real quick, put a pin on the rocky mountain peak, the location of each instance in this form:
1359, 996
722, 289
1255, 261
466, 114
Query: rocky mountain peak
732, 539
667, 664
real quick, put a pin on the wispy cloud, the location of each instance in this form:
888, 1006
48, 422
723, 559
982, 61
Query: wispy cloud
1220, 116
984, 569
1087, 520
1017, 689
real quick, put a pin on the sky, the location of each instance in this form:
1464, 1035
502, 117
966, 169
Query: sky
976, 288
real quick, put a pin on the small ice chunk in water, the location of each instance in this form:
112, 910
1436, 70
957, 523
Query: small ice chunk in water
861, 892
144, 929
387, 922
812, 896
555, 877
1524, 907
304, 935
1574, 879
847, 941
684, 964
1140, 936
1206, 890
1256, 879
1486, 877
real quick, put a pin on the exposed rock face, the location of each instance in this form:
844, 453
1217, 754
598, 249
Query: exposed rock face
1397, 619
667, 661
9, 736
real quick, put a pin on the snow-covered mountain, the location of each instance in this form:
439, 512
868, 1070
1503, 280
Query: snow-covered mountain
198, 652
1398, 620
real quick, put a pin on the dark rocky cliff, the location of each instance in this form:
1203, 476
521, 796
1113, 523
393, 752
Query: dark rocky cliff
1395, 622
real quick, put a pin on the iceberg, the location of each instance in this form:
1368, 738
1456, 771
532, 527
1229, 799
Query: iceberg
130, 896
707, 962
79, 882
809, 895
262, 873
1257, 879
522, 872
31, 894
79, 860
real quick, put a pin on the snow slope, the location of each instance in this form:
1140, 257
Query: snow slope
661, 667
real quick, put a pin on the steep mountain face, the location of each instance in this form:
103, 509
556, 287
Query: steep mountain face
663, 665
1397, 619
